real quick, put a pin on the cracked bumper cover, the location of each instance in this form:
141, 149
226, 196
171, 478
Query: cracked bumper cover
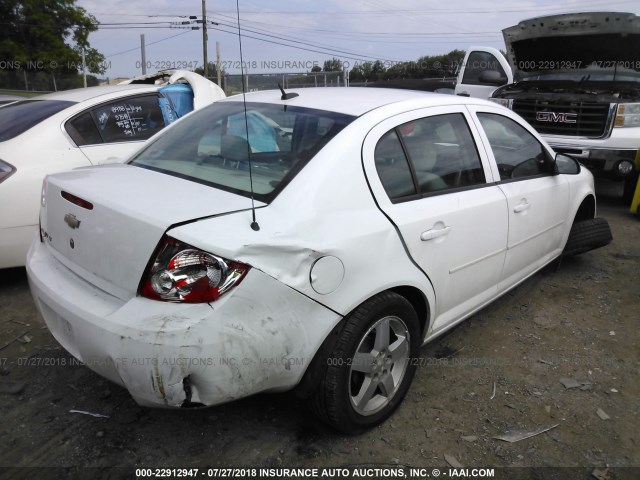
261, 336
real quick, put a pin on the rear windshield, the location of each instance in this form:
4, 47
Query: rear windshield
211, 146
18, 117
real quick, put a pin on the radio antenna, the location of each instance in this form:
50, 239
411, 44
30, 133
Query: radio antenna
254, 223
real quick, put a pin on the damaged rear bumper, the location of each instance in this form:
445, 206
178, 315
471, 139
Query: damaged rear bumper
260, 337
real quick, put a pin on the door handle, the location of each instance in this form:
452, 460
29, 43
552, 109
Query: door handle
521, 207
434, 233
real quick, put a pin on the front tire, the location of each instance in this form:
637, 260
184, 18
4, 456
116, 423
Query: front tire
587, 235
370, 368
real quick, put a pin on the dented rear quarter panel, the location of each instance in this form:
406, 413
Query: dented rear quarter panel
327, 210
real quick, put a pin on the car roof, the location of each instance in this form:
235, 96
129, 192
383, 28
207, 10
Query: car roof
83, 94
349, 100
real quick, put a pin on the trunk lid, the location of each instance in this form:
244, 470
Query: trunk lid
110, 242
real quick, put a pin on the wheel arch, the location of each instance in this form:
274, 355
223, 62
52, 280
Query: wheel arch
419, 302
586, 210
413, 295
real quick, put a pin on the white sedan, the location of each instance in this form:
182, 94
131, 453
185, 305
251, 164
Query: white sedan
350, 227
91, 126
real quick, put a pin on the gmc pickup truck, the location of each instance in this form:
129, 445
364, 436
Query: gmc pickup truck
576, 79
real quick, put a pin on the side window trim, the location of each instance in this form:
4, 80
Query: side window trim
407, 157
437, 193
520, 179
486, 155
403, 169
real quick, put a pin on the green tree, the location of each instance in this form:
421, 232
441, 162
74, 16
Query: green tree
333, 65
47, 36
367, 71
360, 72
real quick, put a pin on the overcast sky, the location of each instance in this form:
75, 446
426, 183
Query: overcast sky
311, 31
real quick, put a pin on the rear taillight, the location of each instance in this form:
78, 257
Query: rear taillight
182, 273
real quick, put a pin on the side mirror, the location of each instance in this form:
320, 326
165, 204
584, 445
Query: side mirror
566, 165
492, 77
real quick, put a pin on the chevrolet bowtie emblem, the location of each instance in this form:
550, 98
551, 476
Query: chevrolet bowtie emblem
71, 220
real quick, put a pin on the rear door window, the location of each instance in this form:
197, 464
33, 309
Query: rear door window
428, 155
126, 120
129, 119
393, 167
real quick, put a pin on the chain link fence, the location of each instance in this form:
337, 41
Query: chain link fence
232, 84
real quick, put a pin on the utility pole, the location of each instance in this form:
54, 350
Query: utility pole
218, 70
144, 54
204, 38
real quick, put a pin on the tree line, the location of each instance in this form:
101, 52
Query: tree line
433, 66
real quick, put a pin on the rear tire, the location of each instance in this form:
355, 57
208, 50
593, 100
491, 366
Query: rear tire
588, 235
370, 368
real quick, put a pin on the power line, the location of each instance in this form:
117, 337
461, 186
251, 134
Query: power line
331, 49
342, 32
140, 15
335, 50
287, 45
151, 43
133, 23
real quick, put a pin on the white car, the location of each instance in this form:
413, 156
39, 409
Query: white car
75, 128
381, 220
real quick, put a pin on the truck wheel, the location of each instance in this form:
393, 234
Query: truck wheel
588, 235
370, 368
